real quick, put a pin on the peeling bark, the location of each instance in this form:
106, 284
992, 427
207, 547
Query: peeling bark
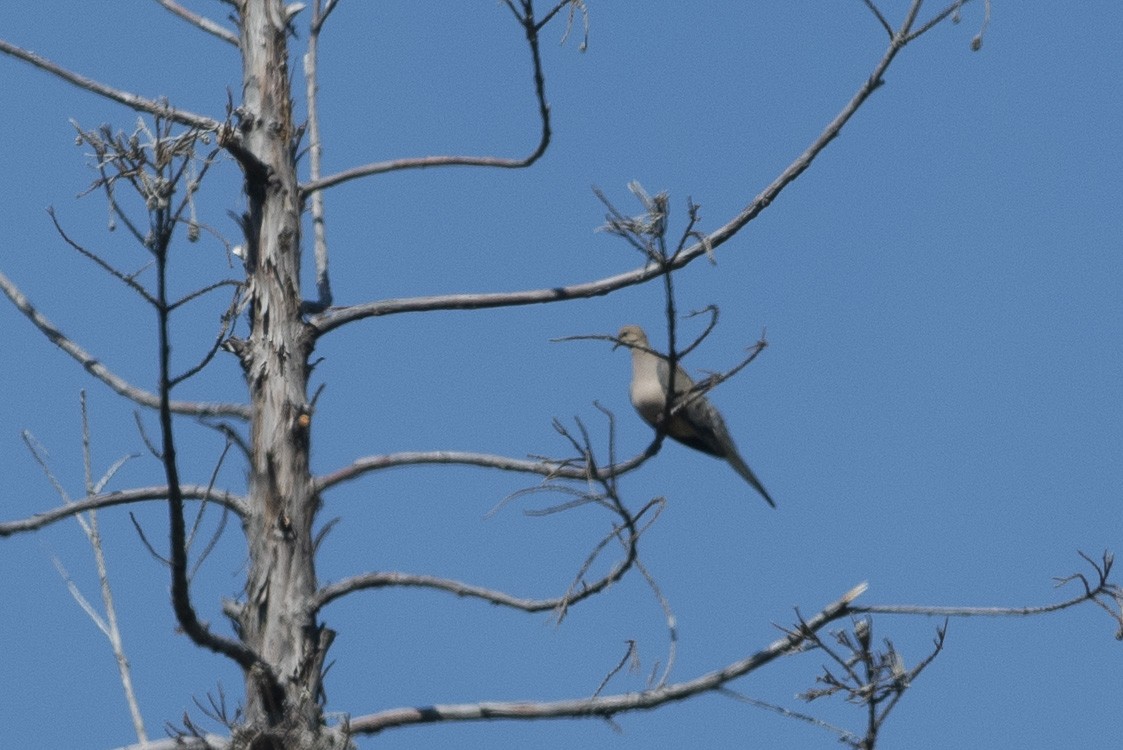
277, 622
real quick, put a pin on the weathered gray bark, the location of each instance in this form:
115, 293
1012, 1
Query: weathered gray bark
282, 708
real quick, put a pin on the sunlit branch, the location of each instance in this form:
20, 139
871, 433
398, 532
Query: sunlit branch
626, 530
608, 705
1101, 587
379, 580
229, 500
628, 534
545, 467
530, 26
109, 625
333, 318
133, 101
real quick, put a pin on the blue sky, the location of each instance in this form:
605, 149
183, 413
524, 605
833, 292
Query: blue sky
939, 411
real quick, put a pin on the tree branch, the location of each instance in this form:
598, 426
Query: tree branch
549, 468
109, 626
339, 316
627, 532
125, 279
1103, 587
526, 20
201, 22
880, 18
364, 581
133, 101
609, 705
319, 21
122, 497
104, 374
198, 631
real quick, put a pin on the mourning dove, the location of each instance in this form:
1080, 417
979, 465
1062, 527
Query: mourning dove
696, 424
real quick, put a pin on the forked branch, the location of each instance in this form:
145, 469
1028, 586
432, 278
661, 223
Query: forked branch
335, 317
626, 529
525, 16
872, 677
1100, 589
608, 705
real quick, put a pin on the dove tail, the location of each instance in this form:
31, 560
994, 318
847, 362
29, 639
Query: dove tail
743, 469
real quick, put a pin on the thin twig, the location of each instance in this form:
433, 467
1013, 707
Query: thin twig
880, 18
845, 735
629, 655
213, 542
88, 522
191, 296
125, 279
93, 534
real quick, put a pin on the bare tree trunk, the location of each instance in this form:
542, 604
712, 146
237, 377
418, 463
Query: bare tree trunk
276, 622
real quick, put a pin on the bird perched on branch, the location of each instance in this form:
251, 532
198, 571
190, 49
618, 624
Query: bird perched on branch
694, 421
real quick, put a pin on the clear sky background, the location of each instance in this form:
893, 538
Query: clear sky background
939, 411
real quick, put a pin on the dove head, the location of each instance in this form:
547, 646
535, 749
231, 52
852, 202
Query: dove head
631, 335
